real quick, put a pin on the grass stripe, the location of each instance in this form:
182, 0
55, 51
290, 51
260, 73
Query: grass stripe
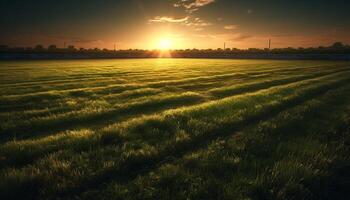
228, 160
205, 105
75, 116
176, 149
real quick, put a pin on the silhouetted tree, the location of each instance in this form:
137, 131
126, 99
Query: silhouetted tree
3, 47
39, 47
71, 48
337, 45
52, 47
336, 48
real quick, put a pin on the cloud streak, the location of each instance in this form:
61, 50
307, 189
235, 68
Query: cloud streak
197, 22
189, 21
192, 5
240, 37
72, 39
189, 6
159, 19
230, 27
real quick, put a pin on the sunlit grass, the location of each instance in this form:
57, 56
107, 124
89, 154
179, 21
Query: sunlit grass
174, 129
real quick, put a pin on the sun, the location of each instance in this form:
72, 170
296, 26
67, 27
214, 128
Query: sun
165, 44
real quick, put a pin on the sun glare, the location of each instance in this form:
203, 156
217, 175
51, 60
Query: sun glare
165, 44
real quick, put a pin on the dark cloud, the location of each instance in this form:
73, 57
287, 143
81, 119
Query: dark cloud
241, 37
72, 39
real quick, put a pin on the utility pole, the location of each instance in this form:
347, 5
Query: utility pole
224, 46
270, 44
114, 47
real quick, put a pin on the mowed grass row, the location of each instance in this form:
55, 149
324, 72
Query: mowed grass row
189, 136
45, 142
38, 105
154, 81
81, 90
30, 72
105, 111
99, 113
177, 129
289, 156
146, 142
145, 72
19, 101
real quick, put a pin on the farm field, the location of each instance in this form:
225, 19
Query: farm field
174, 129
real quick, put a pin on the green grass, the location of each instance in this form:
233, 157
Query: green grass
174, 129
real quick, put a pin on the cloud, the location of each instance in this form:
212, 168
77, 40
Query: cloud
160, 19
197, 22
189, 6
198, 3
72, 39
230, 27
192, 5
282, 35
83, 40
190, 21
240, 37
207, 36
232, 37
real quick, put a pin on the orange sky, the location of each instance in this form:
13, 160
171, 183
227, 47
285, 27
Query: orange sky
201, 24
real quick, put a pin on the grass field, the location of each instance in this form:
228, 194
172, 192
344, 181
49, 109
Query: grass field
174, 129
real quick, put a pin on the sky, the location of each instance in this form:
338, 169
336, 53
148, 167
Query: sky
175, 24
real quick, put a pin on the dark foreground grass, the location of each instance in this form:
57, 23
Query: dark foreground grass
284, 157
175, 129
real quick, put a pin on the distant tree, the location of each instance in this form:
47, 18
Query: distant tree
71, 48
253, 50
39, 47
3, 47
336, 48
52, 47
338, 45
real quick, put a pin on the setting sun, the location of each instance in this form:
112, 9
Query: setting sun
165, 44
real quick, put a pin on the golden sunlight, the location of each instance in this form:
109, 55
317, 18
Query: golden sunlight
165, 44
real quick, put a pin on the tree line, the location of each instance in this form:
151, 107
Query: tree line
336, 48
